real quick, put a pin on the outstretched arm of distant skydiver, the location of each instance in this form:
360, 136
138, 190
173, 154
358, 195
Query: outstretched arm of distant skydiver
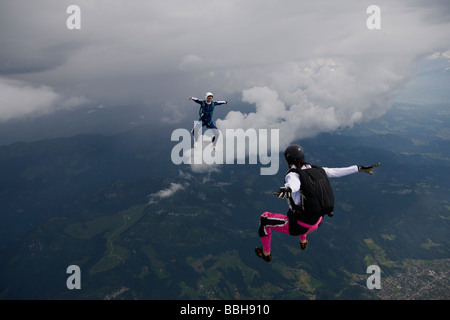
218, 103
196, 100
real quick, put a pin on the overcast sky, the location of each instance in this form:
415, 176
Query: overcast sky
310, 66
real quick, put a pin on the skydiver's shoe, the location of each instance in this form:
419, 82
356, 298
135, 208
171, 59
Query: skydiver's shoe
304, 245
259, 252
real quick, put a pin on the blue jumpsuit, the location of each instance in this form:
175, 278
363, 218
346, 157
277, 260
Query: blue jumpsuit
205, 113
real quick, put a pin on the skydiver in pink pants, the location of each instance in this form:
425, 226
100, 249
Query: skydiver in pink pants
298, 221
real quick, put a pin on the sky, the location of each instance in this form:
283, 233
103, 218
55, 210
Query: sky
305, 67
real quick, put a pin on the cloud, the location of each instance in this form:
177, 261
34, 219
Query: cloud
353, 79
205, 168
165, 193
18, 98
190, 61
185, 175
304, 98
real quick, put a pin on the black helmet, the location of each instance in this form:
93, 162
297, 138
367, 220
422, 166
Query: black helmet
294, 153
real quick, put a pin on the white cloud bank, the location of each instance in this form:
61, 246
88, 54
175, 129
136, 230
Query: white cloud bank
304, 98
19, 98
166, 193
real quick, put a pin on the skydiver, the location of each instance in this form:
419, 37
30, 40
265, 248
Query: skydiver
295, 158
205, 113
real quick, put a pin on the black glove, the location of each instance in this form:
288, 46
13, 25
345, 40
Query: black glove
284, 193
368, 169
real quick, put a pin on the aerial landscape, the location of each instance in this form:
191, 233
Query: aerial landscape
101, 210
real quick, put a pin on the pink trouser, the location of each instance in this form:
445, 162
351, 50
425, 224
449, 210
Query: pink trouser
280, 222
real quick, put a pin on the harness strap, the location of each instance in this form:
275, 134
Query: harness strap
202, 110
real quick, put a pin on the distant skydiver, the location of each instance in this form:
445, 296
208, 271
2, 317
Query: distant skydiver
310, 197
205, 113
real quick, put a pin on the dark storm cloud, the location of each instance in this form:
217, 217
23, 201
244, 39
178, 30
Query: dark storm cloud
314, 58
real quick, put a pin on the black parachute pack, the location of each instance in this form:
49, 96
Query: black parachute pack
317, 198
